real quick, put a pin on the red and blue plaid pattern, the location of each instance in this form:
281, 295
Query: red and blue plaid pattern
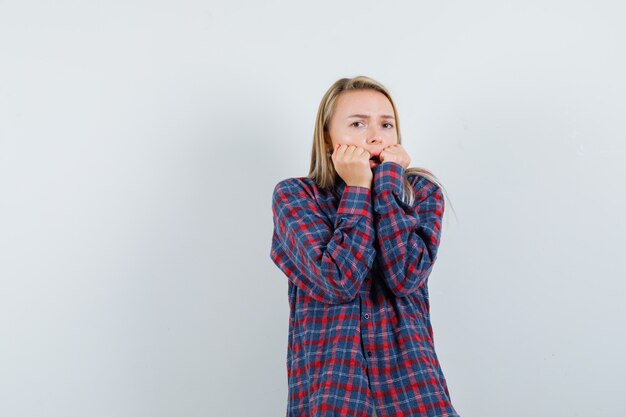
357, 262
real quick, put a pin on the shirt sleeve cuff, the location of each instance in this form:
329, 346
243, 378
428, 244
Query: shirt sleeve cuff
389, 177
355, 200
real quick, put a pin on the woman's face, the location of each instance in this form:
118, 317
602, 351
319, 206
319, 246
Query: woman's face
363, 118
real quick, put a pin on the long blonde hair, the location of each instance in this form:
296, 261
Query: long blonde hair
322, 170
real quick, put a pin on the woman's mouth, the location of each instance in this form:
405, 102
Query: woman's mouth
374, 161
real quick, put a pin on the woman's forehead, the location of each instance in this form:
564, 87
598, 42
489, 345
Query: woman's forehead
363, 102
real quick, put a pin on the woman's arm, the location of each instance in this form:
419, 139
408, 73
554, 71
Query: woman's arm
326, 261
408, 236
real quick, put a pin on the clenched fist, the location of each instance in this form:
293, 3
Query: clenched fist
352, 163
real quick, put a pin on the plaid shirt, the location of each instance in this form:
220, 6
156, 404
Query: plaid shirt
357, 262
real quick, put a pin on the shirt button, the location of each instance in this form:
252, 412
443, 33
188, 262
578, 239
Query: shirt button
367, 316
369, 353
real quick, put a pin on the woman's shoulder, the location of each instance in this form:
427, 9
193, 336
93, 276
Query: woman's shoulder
303, 187
295, 183
422, 181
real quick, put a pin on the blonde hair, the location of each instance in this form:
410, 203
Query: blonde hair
322, 170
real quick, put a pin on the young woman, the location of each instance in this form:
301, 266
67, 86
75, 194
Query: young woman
357, 239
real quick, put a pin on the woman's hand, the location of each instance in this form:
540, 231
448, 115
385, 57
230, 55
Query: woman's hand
395, 153
352, 163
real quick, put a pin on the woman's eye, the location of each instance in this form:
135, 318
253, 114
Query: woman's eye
353, 124
388, 124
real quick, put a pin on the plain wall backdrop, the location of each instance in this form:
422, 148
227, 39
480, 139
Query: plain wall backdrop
140, 142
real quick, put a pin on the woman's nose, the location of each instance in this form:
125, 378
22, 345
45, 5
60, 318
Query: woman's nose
375, 137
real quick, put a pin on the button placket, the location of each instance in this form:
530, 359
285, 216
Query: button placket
366, 322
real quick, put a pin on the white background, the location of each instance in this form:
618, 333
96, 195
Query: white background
140, 142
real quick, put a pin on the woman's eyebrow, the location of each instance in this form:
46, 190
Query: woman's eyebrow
365, 116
